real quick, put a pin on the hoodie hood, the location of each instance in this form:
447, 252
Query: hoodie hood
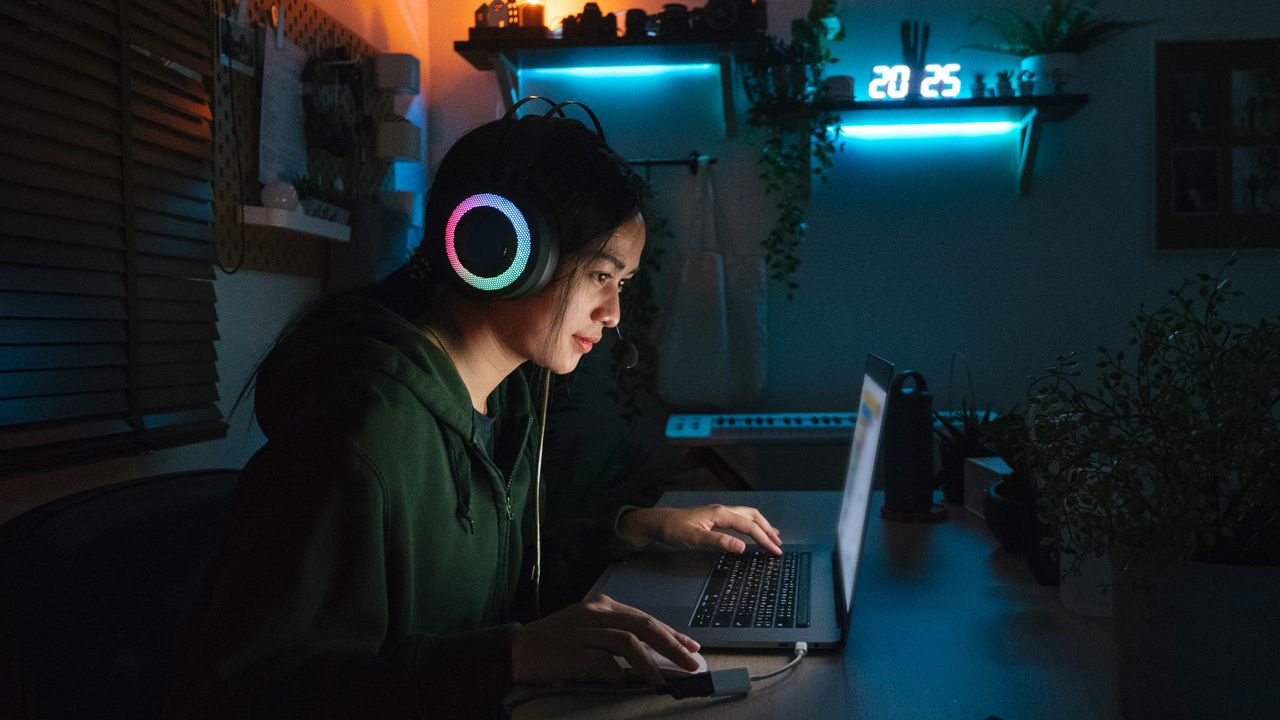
363, 335
351, 340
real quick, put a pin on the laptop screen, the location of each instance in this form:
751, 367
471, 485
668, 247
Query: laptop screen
859, 476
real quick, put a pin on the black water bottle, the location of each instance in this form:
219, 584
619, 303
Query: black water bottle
908, 448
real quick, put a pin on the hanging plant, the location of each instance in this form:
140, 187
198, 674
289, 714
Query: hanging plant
784, 84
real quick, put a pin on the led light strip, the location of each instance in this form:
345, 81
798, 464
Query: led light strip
524, 243
908, 131
621, 71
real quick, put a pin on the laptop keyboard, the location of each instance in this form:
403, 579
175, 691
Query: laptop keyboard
756, 589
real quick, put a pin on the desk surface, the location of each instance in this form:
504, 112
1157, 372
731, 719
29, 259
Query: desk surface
945, 625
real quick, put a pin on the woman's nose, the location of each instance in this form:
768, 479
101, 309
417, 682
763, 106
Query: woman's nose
609, 311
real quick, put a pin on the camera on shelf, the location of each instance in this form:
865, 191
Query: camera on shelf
718, 17
734, 16
727, 17
590, 24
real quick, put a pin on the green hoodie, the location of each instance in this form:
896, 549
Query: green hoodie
374, 554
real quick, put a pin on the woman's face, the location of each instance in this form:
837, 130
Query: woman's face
530, 325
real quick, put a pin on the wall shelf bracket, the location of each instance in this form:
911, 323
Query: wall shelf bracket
726, 92
508, 76
1028, 140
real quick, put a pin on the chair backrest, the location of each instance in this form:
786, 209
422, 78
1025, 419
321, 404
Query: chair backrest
94, 589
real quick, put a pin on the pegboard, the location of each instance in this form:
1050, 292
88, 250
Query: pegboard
237, 109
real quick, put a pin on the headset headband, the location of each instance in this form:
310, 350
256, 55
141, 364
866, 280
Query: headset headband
511, 112
557, 108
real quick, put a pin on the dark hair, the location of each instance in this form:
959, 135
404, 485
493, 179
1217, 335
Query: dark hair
587, 187
590, 189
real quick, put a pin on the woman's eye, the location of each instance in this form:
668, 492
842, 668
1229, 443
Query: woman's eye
602, 277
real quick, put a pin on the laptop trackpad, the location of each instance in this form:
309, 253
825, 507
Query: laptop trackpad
664, 584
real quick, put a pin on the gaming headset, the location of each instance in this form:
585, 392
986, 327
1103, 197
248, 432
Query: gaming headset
501, 239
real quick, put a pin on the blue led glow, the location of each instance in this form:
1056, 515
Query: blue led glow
625, 71
928, 130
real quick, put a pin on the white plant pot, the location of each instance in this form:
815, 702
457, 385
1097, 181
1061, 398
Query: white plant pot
1046, 65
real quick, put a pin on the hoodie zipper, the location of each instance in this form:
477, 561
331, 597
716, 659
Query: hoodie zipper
504, 529
515, 467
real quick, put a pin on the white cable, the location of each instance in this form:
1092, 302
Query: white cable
802, 649
537, 501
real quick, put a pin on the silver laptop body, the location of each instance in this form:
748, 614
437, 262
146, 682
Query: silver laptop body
669, 584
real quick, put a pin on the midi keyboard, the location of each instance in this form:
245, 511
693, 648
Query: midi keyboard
759, 428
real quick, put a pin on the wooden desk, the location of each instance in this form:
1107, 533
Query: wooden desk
945, 626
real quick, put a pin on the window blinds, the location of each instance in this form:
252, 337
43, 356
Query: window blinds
107, 317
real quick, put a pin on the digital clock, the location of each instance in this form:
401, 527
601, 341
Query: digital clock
893, 82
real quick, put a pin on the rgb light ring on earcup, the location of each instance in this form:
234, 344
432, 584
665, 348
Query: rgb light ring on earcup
524, 242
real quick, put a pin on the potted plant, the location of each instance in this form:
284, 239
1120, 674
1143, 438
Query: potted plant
1050, 46
1170, 459
784, 82
961, 436
1009, 505
1004, 83
978, 88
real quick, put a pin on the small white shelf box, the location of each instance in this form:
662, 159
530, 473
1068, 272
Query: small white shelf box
297, 221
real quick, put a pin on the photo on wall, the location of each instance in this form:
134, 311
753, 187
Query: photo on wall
1255, 104
1255, 180
1217, 144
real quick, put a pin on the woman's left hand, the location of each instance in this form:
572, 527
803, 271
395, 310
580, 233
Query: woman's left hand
698, 528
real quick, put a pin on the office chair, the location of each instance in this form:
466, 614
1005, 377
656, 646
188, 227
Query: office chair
94, 589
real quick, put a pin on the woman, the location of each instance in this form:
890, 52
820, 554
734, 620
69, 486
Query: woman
374, 559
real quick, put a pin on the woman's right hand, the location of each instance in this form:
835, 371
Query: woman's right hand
582, 639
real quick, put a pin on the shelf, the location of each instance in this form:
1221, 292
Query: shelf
1051, 108
1029, 113
296, 221
507, 57
553, 52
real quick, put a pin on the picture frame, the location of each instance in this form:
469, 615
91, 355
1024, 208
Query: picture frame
1217, 144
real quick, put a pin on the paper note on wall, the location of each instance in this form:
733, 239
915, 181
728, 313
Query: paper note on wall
282, 145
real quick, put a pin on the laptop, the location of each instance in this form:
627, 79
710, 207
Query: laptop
806, 596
